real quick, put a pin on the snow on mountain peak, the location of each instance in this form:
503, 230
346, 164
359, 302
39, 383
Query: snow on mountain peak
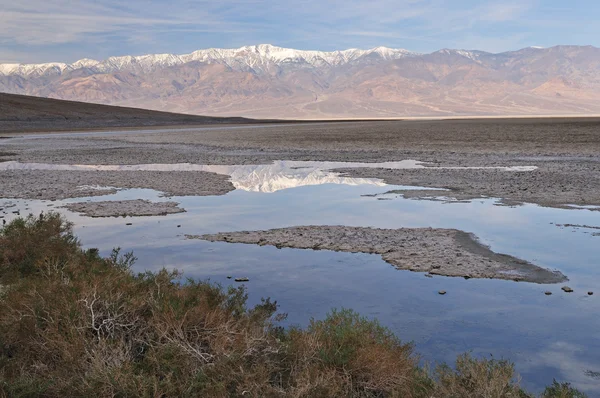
467, 54
32, 69
390, 53
472, 55
258, 57
85, 63
7, 69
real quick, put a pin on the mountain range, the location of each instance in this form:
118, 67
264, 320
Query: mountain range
265, 81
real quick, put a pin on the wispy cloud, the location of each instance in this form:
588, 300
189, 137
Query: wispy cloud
571, 361
94, 28
500, 12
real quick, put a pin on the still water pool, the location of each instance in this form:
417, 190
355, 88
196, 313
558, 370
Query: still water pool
546, 336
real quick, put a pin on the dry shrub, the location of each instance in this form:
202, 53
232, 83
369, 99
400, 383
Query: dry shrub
348, 355
34, 244
561, 390
475, 378
75, 324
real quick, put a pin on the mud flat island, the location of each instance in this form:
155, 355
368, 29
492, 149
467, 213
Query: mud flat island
64, 184
137, 207
447, 252
545, 186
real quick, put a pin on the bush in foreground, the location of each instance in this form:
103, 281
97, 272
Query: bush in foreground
75, 324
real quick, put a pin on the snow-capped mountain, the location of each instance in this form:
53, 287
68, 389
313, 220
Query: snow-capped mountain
266, 81
257, 58
32, 69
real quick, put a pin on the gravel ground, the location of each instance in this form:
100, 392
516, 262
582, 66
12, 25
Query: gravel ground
56, 185
119, 208
447, 252
549, 185
566, 152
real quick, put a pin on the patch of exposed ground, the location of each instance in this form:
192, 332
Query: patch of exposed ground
447, 252
136, 207
56, 185
6, 156
576, 226
586, 228
382, 141
545, 186
566, 152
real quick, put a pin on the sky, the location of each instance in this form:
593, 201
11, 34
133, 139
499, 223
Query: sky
33, 31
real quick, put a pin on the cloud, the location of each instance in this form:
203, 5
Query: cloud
60, 21
571, 361
93, 28
63, 28
500, 12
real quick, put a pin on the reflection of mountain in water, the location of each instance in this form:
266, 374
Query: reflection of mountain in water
291, 174
259, 178
255, 178
278, 176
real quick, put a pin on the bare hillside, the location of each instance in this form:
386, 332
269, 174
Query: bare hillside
24, 113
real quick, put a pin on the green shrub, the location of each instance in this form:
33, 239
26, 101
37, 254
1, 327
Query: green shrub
478, 378
348, 355
36, 244
562, 390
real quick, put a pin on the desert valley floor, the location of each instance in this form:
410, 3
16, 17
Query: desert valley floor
500, 214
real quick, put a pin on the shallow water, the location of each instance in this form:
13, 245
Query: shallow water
267, 178
547, 336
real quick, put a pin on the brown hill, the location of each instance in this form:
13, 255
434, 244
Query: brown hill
25, 113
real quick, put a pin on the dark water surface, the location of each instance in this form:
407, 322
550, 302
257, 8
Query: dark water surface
546, 336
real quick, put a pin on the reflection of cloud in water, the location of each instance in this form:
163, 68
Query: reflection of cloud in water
259, 178
567, 358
